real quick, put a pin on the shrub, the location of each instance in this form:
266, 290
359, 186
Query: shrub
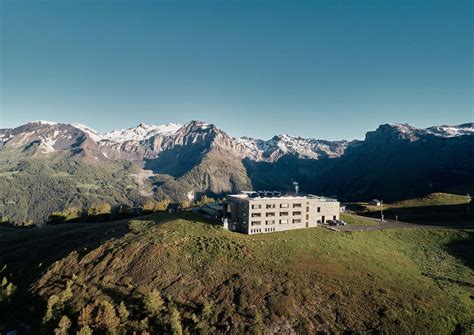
161, 205
85, 330
99, 209
106, 319
175, 321
149, 206
63, 326
123, 312
53, 308
138, 226
154, 303
69, 214
7, 290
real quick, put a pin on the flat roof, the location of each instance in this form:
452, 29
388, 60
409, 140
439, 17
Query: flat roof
274, 195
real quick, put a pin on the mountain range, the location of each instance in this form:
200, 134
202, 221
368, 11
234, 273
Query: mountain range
47, 166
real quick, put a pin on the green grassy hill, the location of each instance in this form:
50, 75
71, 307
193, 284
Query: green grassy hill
443, 209
176, 272
433, 199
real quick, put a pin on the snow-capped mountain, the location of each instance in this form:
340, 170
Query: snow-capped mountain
138, 133
80, 165
281, 145
149, 141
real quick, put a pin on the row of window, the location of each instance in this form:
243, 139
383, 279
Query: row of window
271, 214
259, 206
271, 222
259, 230
318, 209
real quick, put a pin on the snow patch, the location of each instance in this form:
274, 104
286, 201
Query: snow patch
141, 132
89, 131
46, 146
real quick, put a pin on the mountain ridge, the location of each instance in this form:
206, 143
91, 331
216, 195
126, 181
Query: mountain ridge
122, 143
393, 162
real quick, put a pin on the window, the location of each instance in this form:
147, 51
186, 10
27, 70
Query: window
284, 221
297, 213
307, 216
319, 209
334, 217
270, 205
256, 223
296, 205
296, 220
256, 215
307, 208
283, 213
269, 222
256, 206
284, 205
270, 214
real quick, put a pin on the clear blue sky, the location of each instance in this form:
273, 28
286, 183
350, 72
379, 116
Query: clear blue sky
324, 69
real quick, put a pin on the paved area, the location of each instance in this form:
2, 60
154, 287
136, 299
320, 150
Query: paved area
387, 224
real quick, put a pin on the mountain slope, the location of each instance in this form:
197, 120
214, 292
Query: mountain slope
393, 162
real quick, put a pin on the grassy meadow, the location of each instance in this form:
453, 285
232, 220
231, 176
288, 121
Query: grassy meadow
443, 209
214, 281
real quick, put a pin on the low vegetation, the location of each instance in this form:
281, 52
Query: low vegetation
175, 273
356, 220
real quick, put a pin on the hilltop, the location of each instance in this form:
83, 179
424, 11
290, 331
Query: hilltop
211, 280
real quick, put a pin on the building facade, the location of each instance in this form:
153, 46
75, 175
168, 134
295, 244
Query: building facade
266, 212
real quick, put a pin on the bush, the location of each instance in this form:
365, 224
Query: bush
63, 326
138, 226
7, 290
99, 212
175, 321
69, 214
161, 205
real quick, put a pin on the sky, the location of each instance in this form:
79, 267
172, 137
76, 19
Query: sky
322, 69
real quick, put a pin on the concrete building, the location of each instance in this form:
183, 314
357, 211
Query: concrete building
266, 212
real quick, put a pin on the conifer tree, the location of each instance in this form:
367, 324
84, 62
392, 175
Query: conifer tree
63, 326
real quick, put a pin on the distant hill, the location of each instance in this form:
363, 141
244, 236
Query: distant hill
394, 162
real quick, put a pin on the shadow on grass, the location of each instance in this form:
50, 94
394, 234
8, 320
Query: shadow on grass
27, 254
463, 250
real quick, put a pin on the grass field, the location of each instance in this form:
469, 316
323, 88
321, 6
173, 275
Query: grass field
357, 220
435, 209
394, 281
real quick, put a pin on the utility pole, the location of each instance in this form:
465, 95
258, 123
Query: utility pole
468, 202
381, 210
